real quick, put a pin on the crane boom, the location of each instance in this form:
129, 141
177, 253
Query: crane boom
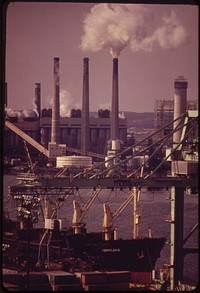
42, 149
30, 163
27, 138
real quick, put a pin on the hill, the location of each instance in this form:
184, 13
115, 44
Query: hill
140, 120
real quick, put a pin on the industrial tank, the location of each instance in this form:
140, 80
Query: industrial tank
75, 161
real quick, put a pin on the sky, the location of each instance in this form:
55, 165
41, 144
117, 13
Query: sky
154, 43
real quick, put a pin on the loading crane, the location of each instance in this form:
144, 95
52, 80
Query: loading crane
175, 183
80, 213
110, 218
30, 175
30, 162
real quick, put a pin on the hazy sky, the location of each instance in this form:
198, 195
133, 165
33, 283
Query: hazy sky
154, 44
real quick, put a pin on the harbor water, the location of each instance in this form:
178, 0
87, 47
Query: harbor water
154, 210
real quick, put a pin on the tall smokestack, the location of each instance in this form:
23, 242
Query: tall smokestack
55, 127
180, 105
85, 131
115, 103
38, 98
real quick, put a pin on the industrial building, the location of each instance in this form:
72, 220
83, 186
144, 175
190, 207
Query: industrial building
164, 110
79, 131
55, 133
103, 134
70, 131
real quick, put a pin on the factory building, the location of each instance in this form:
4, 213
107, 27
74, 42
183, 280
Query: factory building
79, 131
70, 131
165, 111
103, 134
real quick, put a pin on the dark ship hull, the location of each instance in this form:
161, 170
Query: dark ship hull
136, 255
76, 252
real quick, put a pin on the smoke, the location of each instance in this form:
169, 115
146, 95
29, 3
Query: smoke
23, 113
106, 106
12, 113
35, 107
122, 115
66, 103
169, 35
114, 26
28, 114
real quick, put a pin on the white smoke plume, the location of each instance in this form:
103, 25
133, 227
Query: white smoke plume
12, 113
105, 106
66, 103
122, 115
35, 108
23, 113
29, 113
114, 26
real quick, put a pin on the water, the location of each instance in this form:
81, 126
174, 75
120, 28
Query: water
154, 208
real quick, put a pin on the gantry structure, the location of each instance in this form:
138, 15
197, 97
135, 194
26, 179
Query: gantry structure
109, 174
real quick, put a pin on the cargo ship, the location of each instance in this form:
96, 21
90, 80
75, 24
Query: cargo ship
74, 249
136, 255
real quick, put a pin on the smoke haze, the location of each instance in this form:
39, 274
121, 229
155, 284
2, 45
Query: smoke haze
114, 26
66, 103
143, 33
12, 113
35, 108
23, 113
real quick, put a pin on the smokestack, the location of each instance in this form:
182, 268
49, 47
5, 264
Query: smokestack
115, 102
55, 127
38, 98
85, 131
180, 105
